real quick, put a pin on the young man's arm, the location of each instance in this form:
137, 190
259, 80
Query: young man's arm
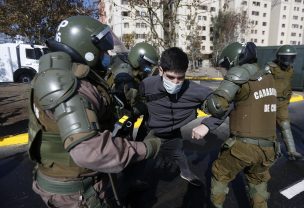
209, 123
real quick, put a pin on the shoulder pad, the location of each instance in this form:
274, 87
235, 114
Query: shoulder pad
238, 75
55, 81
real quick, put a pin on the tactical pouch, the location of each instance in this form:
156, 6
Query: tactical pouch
228, 143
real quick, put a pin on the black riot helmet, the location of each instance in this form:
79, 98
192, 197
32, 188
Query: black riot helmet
237, 54
85, 39
286, 55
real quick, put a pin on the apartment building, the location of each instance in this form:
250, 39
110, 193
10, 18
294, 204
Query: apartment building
130, 23
259, 18
270, 22
193, 22
194, 25
287, 18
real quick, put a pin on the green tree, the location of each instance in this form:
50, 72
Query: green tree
37, 20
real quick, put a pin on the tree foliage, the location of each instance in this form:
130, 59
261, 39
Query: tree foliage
228, 26
160, 14
37, 20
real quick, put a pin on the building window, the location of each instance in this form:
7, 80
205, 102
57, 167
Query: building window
203, 37
264, 23
264, 14
284, 8
295, 17
262, 41
204, 28
263, 32
212, 9
126, 25
143, 14
143, 25
199, 17
204, 7
284, 16
204, 17
256, 3
203, 47
283, 25
244, 3
281, 42
298, 1
211, 48
282, 33
137, 25
125, 14
293, 34
265, 5
295, 26
188, 27
255, 40
255, 13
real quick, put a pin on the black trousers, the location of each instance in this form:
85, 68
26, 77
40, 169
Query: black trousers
172, 149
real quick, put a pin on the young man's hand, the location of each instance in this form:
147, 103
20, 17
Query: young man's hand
200, 131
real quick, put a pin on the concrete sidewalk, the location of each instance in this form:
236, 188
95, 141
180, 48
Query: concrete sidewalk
206, 73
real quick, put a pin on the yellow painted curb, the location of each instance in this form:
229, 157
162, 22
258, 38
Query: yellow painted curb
203, 78
296, 98
14, 140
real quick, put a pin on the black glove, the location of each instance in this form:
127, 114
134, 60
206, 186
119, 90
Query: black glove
153, 145
139, 109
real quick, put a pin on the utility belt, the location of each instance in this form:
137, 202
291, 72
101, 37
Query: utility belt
83, 186
256, 141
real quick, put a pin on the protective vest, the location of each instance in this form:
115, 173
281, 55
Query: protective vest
45, 145
282, 80
255, 117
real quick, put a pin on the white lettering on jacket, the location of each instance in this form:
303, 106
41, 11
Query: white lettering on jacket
264, 93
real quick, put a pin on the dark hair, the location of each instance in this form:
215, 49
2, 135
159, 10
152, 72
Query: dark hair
174, 59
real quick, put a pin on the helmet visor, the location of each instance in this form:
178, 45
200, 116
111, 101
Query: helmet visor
145, 65
104, 40
287, 60
224, 62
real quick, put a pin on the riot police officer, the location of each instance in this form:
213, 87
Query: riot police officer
282, 70
71, 119
251, 146
127, 71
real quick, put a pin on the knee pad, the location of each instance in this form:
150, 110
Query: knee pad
258, 191
218, 192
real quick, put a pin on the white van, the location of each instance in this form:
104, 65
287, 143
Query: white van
19, 62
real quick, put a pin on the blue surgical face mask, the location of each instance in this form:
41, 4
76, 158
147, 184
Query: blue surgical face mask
171, 87
106, 61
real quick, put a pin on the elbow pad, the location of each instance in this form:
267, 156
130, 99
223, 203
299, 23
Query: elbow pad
77, 121
216, 106
227, 90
